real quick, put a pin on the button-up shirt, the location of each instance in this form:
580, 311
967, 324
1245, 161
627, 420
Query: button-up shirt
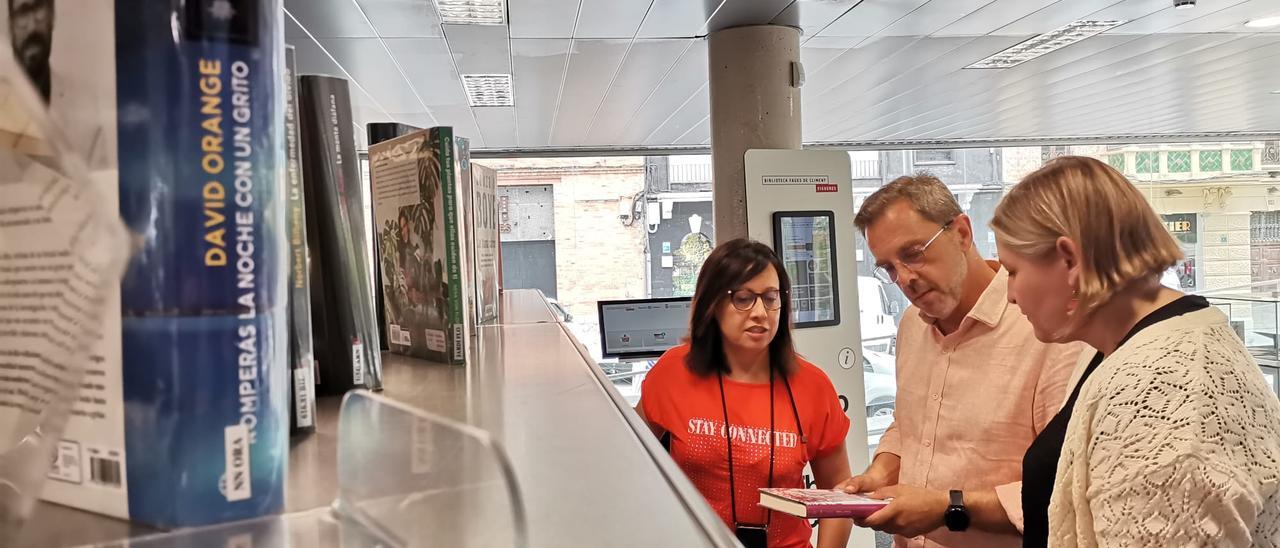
970, 403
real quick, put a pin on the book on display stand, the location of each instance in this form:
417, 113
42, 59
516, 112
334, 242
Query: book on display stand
377, 133
346, 338
419, 181
302, 387
177, 112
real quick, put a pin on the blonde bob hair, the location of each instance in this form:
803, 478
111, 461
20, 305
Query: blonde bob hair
1121, 239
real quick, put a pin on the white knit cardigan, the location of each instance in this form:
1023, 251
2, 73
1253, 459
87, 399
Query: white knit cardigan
1174, 441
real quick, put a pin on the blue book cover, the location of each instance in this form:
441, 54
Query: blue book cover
183, 419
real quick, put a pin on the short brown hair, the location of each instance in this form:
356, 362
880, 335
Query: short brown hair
927, 194
730, 265
1121, 238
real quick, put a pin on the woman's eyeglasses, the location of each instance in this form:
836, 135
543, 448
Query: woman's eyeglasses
745, 299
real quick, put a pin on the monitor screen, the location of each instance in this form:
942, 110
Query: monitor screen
642, 328
805, 242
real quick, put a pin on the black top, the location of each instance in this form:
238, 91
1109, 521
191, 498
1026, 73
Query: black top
1040, 464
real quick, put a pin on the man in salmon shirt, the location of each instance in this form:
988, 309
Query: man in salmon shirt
974, 384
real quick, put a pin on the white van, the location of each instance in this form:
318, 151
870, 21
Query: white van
879, 329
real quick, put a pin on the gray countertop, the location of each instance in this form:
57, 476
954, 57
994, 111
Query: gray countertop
589, 473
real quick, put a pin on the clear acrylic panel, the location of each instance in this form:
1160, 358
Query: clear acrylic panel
408, 478
61, 253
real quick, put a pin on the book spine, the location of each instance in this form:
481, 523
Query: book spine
301, 353
323, 103
204, 335
453, 255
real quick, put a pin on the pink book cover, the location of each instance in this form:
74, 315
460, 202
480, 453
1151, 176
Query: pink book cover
820, 503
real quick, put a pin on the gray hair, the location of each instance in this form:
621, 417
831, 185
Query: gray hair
927, 194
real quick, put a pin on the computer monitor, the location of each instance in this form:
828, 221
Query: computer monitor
642, 328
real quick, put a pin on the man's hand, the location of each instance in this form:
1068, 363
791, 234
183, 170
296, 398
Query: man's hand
862, 483
913, 510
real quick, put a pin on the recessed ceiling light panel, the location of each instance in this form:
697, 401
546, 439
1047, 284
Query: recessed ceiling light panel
1263, 23
472, 12
488, 90
1036, 46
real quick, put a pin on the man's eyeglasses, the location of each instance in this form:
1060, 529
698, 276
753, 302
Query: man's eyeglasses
911, 258
745, 299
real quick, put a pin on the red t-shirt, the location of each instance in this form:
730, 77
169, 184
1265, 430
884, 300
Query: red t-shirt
688, 406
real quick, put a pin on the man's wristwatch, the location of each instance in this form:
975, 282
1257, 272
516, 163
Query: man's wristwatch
956, 517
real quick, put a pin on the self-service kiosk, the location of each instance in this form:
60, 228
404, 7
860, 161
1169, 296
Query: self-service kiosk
801, 203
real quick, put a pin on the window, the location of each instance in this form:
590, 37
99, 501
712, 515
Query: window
1264, 227
1211, 160
1242, 160
1147, 162
930, 157
1179, 161
1116, 161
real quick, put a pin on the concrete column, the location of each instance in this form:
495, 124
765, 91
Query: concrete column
753, 105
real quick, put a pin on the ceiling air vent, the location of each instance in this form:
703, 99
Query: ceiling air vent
488, 90
1044, 43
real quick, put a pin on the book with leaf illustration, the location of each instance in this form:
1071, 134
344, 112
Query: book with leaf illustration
420, 218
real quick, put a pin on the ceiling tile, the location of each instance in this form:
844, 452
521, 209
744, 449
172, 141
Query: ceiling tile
329, 19
428, 66
591, 65
542, 18
933, 17
682, 82
681, 122
737, 13
989, 18
813, 15
497, 126
539, 70
367, 61
1169, 17
640, 76
611, 18
480, 49
677, 18
402, 18
870, 17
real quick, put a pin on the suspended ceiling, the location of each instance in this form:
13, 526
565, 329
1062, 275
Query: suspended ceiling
632, 74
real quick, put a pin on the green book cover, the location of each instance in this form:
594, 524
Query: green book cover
421, 238
454, 242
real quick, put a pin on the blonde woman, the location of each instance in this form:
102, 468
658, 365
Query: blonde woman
1169, 436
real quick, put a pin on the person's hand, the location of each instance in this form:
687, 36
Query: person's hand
912, 511
862, 483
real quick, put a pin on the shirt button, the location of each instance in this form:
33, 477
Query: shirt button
928, 443
935, 397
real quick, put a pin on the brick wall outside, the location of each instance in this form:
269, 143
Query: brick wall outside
597, 256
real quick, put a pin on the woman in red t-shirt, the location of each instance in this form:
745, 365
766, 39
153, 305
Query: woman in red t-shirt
739, 367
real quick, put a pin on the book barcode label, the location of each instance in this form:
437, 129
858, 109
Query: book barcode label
236, 483
302, 384
435, 339
357, 363
103, 467
66, 462
105, 472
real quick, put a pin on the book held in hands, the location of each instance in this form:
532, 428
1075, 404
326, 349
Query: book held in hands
820, 503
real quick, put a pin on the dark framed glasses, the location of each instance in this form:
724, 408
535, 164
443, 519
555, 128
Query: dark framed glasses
911, 258
745, 299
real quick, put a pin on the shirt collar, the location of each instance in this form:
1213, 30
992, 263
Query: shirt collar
991, 304
994, 300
